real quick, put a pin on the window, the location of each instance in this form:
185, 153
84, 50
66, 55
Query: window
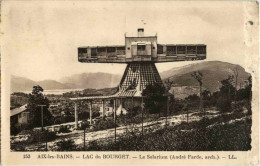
191, 49
120, 48
93, 52
111, 49
101, 49
201, 50
171, 50
181, 50
82, 50
140, 47
159, 49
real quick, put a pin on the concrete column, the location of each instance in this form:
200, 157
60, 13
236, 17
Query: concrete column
76, 116
90, 112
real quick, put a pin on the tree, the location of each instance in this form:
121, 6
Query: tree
198, 76
235, 71
226, 94
168, 85
227, 89
36, 98
154, 99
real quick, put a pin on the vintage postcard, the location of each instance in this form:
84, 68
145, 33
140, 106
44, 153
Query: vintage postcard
129, 82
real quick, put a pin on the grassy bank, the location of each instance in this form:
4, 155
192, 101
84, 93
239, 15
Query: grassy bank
225, 135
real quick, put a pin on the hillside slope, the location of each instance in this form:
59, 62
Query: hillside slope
213, 72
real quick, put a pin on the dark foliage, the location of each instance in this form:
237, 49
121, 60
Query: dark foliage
103, 124
38, 136
64, 129
66, 145
227, 137
84, 125
36, 98
154, 100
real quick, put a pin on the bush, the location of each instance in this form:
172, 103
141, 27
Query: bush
64, 129
224, 104
103, 124
84, 125
66, 145
228, 137
38, 136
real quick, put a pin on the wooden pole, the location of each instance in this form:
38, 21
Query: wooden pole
132, 109
42, 116
103, 108
90, 113
84, 139
187, 115
46, 139
115, 117
142, 117
76, 116
167, 104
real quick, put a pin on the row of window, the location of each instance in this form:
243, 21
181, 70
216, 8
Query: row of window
169, 49
182, 49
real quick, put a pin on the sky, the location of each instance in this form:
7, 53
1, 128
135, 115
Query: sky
41, 38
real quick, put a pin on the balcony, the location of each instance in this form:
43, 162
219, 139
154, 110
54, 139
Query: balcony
142, 58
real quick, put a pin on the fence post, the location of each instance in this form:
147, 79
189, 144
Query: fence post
142, 117
46, 139
115, 117
84, 139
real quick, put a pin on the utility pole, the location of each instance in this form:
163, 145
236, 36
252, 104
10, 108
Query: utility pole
84, 139
132, 110
167, 111
235, 70
115, 117
42, 114
46, 141
198, 76
142, 117
168, 84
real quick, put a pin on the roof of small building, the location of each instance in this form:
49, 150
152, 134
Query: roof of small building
120, 94
92, 97
18, 110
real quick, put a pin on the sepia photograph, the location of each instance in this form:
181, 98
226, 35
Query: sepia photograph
130, 76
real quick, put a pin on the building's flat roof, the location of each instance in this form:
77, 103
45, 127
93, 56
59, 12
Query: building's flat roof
18, 110
102, 46
140, 36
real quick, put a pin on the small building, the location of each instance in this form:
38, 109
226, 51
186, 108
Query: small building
19, 116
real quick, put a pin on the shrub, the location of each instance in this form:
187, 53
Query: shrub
84, 125
103, 124
38, 136
64, 129
224, 104
227, 137
66, 145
